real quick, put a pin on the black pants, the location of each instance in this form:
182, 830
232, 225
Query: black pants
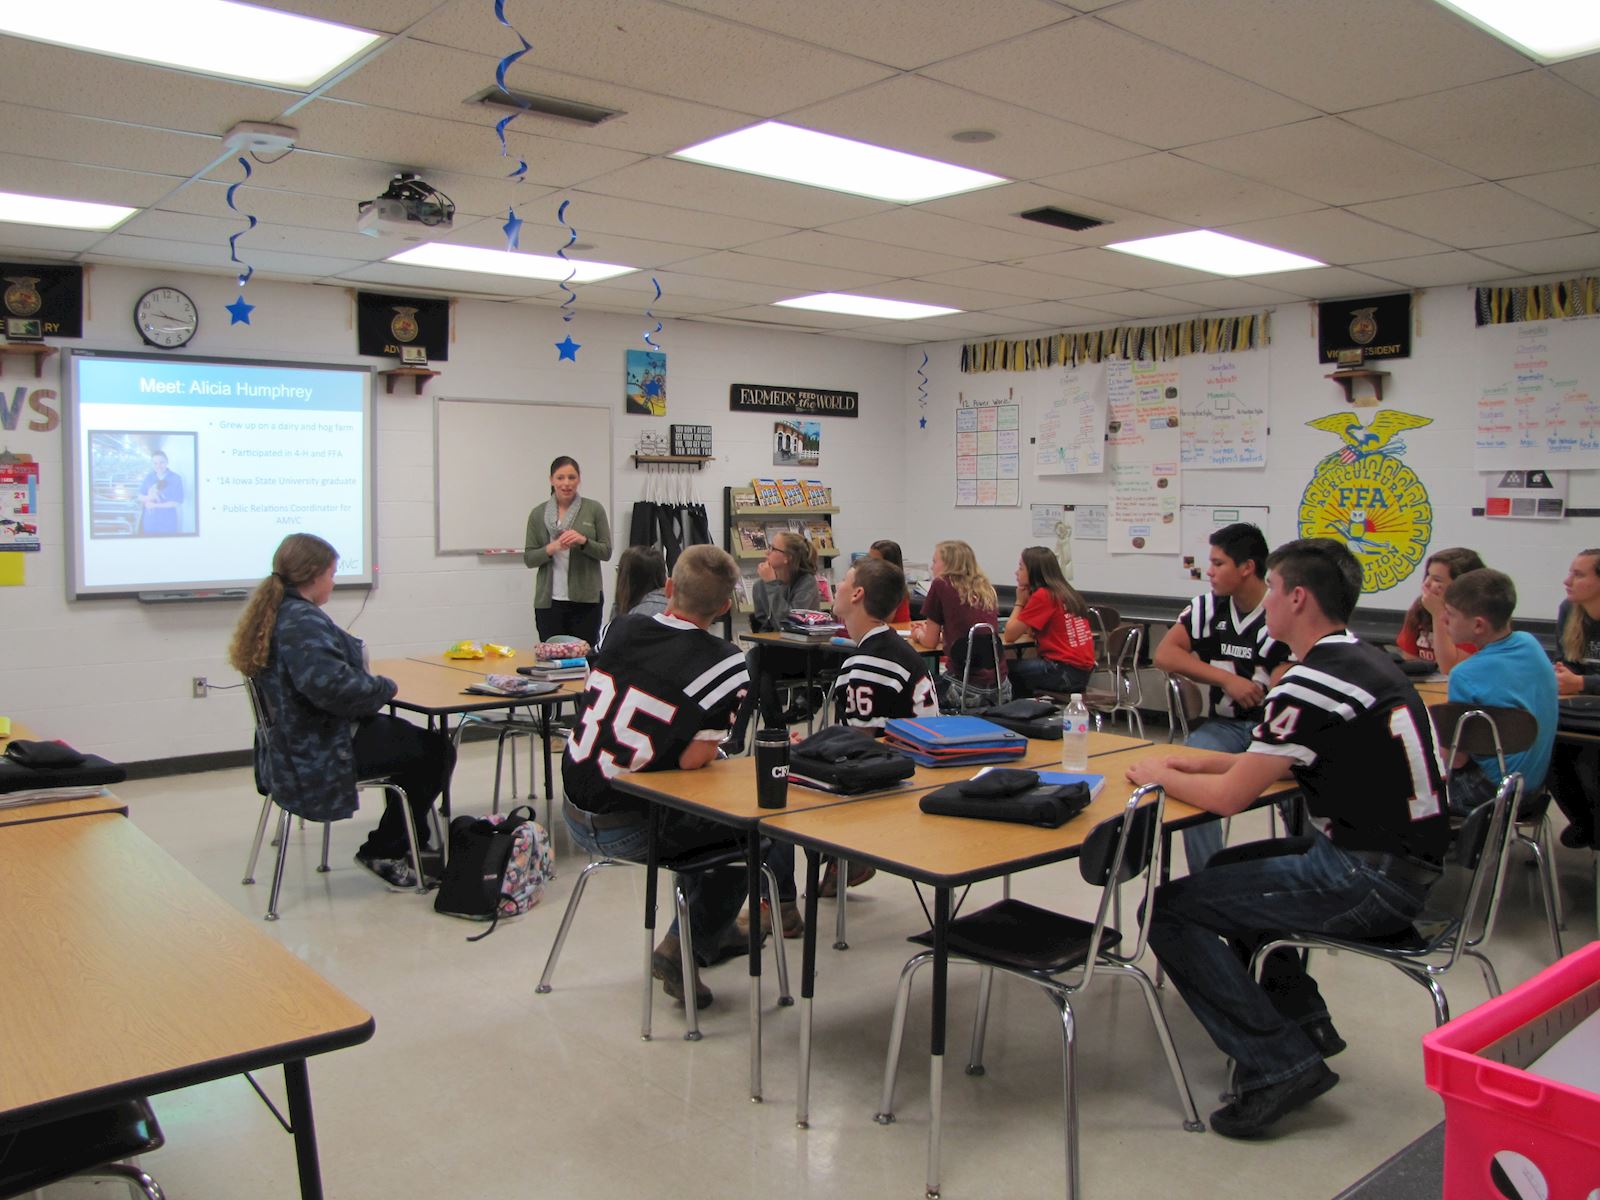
1574, 780
418, 760
571, 618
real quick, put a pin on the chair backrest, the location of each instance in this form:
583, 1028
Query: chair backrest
1117, 850
1123, 648
1185, 702
1102, 620
1480, 729
258, 706
1482, 846
988, 658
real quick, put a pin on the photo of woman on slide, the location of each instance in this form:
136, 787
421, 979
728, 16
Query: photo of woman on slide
142, 484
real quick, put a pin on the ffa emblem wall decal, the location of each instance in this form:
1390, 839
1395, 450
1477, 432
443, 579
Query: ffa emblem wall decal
1364, 496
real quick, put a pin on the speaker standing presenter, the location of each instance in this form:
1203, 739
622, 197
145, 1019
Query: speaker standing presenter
568, 538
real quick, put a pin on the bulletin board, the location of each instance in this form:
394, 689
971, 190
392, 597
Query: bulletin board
492, 465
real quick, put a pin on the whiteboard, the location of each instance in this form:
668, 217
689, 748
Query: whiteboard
492, 465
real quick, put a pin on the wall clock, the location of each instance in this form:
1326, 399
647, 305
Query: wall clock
166, 318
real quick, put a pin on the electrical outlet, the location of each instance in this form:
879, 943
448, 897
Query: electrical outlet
200, 687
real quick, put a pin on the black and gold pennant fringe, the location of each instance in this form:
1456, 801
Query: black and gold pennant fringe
1538, 301
1154, 343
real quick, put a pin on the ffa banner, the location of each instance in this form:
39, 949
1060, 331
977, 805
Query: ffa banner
386, 323
1378, 326
53, 295
817, 402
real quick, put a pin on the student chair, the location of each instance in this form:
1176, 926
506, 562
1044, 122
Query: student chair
1062, 955
699, 860
1126, 694
509, 728
1185, 704
1500, 731
1440, 939
1102, 620
973, 698
263, 719
89, 1146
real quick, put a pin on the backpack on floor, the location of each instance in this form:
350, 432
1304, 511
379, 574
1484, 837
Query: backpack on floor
498, 868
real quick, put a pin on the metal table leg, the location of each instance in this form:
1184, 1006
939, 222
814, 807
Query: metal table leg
298, 1084
941, 971
651, 855
752, 870
808, 978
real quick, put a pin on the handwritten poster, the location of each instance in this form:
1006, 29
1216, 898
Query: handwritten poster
1540, 402
1144, 508
1071, 435
1196, 524
989, 455
1223, 421
1142, 410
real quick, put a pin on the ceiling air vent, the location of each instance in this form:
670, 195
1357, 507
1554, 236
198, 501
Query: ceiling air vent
1061, 219
544, 106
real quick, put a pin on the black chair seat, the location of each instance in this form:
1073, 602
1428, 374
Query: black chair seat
44, 1154
1022, 937
708, 857
1421, 938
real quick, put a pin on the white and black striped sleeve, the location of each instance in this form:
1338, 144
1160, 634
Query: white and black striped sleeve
719, 690
1306, 704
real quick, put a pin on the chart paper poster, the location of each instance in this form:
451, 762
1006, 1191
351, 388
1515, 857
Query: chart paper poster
1540, 403
19, 506
1142, 410
1197, 522
1525, 495
1071, 435
1223, 421
1144, 508
988, 455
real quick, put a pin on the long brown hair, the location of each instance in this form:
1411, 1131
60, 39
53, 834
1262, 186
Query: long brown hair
1458, 560
299, 559
799, 552
1045, 572
1572, 639
640, 571
962, 572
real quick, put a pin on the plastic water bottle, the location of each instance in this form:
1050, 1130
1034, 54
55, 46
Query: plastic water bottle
1075, 735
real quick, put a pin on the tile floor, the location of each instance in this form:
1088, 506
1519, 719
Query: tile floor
476, 1087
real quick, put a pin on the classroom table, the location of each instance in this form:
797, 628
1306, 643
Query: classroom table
52, 810
895, 835
126, 977
725, 792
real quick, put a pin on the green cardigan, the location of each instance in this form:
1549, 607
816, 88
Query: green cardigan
583, 563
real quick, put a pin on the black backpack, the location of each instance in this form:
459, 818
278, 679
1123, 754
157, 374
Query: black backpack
1031, 718
498, 868
847, 761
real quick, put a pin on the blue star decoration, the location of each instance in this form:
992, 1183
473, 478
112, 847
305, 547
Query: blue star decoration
923, 423
513, 230
652, 387
239, 311
568, 349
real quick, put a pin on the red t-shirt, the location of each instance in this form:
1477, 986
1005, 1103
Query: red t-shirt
1416, 640
1061, 638
903, 613
945, 608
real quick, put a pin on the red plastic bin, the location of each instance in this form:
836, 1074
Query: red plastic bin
1475, 1062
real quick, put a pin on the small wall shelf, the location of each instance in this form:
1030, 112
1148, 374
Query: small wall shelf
698, 460
35, 350
419, 377
782, 511
1346, 379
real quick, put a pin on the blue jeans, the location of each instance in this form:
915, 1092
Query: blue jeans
1029, 675
714, 896
1230, 735
1470, 787
1206, 926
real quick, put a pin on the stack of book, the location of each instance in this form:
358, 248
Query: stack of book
557, 669
512, 685
954, 741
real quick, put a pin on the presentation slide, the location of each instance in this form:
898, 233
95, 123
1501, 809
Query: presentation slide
187, 473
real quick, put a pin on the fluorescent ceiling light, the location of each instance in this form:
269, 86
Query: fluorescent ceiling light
215, 36
63, 214
447, 256
821, 160
1217, 253
1545, 30
866, 306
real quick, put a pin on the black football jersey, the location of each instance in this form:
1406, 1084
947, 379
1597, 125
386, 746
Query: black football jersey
883, 678
657, 684
1221, 637
1363, 747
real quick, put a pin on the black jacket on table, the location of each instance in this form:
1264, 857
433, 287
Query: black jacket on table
316, 688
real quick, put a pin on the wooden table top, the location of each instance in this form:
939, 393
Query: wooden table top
126, 976
52, 810
437, 690
490, 664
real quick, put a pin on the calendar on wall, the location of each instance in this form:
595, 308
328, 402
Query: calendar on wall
988, 454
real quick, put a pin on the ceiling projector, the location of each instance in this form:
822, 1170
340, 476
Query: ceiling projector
409, 209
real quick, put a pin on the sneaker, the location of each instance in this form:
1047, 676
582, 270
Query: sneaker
859, 874
666, 964
396, 872
1324, 1037
1257, 1110
1574, 838
793, 924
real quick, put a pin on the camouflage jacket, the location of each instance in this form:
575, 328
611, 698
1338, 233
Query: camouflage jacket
315, 688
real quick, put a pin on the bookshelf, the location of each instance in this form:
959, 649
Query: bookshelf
746, 527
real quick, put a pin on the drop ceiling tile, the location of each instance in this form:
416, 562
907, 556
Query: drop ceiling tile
1333, 235
1575, 192
1141, 305
454, 283
985, 324
1584, 72
1515, 126
622, 41
1574, 254
432, 80
546, 239
205, 258
1227, 293
901, 35
1329, 160
214, 232
1115, 269
621, 300
68, 181
830, 250
1177, 189
31, 239
800, 318
918, 115
1016, 281
919, 229
100, 143
381, 16
1000, 207
428, 143
1438, 270
713, 190
919, 291
1481, 215
1331, 56
1326, 283
1088, 72
803, 277
734, 293
1053, 315
889, 336
592, 212
208, 199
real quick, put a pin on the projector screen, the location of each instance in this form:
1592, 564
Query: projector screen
185, 473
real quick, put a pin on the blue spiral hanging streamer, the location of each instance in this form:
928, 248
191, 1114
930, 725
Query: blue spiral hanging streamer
649, 315
922, 391
572, 237
521, 172
233, 248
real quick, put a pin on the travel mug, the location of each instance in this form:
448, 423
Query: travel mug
772, 768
